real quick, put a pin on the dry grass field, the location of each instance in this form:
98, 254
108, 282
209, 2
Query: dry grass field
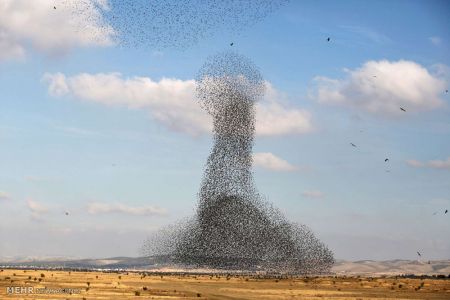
99, 285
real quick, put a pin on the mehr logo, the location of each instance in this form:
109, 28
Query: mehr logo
19, 290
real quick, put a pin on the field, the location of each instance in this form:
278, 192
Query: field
132, 285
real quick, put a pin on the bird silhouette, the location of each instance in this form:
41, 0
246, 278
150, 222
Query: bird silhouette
67, 213
353, 144
418, 253
54, 7
231, 44
401, 108
328, 39
386, 160
446, 211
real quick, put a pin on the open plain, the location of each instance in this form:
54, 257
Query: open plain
134, 285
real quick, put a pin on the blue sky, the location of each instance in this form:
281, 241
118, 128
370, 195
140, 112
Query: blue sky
113, 134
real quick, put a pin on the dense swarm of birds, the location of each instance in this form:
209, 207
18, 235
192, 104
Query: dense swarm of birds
182, 23
234, 227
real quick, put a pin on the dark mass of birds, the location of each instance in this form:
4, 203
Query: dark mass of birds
234, 228
182, 23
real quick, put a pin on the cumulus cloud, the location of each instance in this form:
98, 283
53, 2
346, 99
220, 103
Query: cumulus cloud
269, 161
4, 196
35, 24
382, 87
103, 208
313, 194
171, 102
434, 164
37, 209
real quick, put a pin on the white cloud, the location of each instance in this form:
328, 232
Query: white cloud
37, 209
4, 196
382, 87
274, 117
313, 194
9, 48
35, 24
172, 102
99, 208
269, 161
435, 40
434, 164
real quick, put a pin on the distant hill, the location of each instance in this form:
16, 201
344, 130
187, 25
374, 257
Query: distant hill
341, 267
392, 267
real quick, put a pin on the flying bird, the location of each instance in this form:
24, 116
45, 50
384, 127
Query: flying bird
386, 160
231, 44
401, 108
67, 213
54, 7
353, 144
418, 253
446, 91
328, 39
446, 211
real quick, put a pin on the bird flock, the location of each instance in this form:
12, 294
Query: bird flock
234, 227
175, 24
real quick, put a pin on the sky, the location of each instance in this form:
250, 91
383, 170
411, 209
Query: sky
112, 133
